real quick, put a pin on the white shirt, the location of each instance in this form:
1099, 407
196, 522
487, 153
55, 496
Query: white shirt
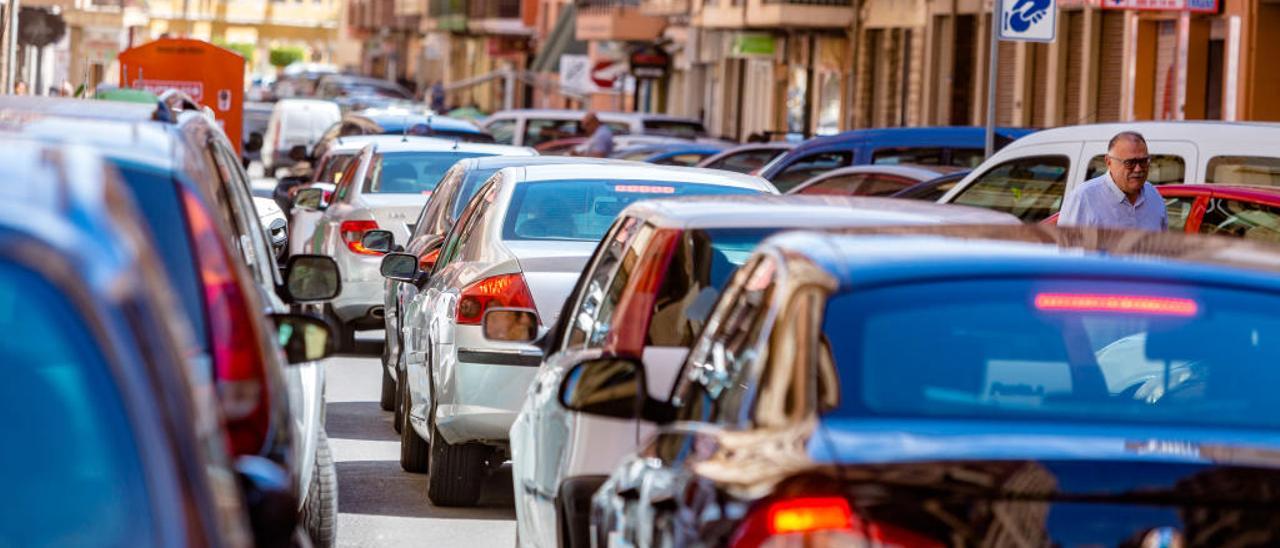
1099, 202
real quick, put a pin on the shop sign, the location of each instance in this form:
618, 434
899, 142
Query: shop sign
754, 45
649, 63
1193, 6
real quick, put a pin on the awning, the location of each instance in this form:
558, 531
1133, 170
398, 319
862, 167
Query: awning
562, 40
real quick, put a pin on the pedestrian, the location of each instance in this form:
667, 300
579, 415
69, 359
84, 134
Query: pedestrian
599, 142
20, 88
1122, 197
437, 98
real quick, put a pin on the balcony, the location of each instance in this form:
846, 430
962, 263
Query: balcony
664, 8
620, 20
761, 14
446, 15
502, 17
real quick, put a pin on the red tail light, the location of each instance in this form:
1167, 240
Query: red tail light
502, 291
238, 362
353, 231
428, 261
1125, 304
818, 521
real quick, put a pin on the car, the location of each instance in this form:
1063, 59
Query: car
947, 146
747, 158
384, 187
1030, 177
328, 170
521, 242
91, 340
871, 180
400, 121
948, 385
453, 193
192, 193
353, 92
931, 190
294, 123
645, 294
1248, 212
273, 221
669, 154
532, 127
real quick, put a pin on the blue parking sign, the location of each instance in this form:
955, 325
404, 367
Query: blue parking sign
1029, 20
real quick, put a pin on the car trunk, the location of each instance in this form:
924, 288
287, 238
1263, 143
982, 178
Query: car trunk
395, 212
551, 268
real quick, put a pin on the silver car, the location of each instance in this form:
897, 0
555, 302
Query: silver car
384, 187
504, 271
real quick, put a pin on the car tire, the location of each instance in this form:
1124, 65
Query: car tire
320, 511
415, 452
456, 471
388, 399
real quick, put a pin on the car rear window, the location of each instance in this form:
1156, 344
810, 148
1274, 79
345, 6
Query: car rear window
71, 469
583, 209
156, 195
411, 172
1058, 348
1243, 170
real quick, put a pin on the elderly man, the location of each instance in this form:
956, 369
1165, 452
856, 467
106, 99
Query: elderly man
599, 142
1121, 197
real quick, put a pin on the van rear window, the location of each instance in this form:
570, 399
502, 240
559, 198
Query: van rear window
1243, 170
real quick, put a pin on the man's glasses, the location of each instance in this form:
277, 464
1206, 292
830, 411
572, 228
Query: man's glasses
1131, 163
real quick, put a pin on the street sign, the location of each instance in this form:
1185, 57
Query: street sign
1028, 20
575, 73
649, 62
1193, 6
605, 73
212, 76
39, 27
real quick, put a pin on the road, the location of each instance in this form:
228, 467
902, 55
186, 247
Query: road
378, 503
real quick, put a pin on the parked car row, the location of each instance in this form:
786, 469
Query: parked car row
184, 404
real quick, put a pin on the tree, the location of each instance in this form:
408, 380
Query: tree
285, 56
244, 49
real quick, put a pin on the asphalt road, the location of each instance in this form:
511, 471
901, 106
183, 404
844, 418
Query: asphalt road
378, 503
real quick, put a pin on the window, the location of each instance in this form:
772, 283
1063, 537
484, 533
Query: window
628, 266
909, 155
332, 169
1165, 168
537, 132
1030, 188
1243, 170
582, 319
858, 184
473, 181
410, 172
343, 186
674, 128
462, 230
74, 435
746, 162
809, 167
582, 210
1240, 219
1179, 210
503, 131
249, 233
687, 159
787, 382
971, 157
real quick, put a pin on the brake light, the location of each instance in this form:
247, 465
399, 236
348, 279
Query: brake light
502, 291
353, 231
238, 363
818, 521
1127, 304
428, 261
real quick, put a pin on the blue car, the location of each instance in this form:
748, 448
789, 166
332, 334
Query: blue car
945, 146
962, 386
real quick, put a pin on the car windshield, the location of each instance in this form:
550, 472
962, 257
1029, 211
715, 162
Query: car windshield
583, 209
72, 473
411, 172
1100, 352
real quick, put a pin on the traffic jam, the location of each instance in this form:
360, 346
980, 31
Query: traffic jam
624, 329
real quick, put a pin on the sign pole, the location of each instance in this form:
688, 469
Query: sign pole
992, 77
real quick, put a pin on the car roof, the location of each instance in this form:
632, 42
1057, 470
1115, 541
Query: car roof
1269, 195
626, 170
922, 173
401, 143
875, 256
746, 211
353, 143
568, 114
1230, 132
301, 102
499, 162
119, 130
912, 136
402, 118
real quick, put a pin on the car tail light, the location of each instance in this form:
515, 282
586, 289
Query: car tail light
428, 261
353, 231
818, 521
238, 363
635, 306
1131, 304
502, 291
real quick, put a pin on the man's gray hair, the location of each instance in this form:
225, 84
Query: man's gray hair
1128, 136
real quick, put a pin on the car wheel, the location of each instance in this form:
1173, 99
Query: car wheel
456, 471
414, 451
388, 399
320, 511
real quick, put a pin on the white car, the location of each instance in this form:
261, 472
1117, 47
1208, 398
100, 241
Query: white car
295, 122
646, 294
529, 127
1030, 176
384, 187
520, 243
327, 171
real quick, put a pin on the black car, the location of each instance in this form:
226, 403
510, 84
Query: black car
114, 439
963, 386
193, 195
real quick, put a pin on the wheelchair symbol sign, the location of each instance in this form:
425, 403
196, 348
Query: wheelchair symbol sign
1028, 20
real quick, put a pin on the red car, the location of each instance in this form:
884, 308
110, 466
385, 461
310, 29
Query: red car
1241, 211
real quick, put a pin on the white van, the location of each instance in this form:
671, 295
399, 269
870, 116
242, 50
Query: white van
1029, 177
295, 122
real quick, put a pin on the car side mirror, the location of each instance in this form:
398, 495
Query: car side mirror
303, 337
510, 324
382, 241
608, 387
311, 199
401, 267
268, 494
254, 144
311, 278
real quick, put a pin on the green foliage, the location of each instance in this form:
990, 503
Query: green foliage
243, 48
283, 57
